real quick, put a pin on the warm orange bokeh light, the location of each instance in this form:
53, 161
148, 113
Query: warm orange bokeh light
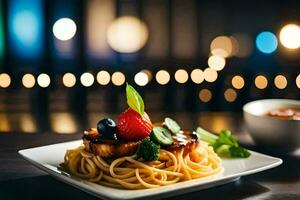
205, 95
238, 82
230, 95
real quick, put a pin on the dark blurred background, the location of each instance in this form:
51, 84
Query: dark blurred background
64, 63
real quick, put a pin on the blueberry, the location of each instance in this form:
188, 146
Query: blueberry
107, 128
195, 135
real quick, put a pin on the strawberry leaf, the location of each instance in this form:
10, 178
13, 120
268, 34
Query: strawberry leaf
134, 100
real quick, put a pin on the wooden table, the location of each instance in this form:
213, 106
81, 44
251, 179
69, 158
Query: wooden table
21, 180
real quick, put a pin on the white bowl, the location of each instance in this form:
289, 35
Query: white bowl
283, 134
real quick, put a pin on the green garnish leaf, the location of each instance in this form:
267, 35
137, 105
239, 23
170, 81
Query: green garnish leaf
223, 151
225, 137
225, 145
239, 152
134, 100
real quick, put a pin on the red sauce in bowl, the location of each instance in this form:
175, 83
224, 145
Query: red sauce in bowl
285, 113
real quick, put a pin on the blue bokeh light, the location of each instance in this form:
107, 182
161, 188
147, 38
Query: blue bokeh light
25, 33
25, 28
266, 42
2, 45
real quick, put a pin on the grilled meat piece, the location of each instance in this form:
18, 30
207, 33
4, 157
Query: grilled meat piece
184, 140
107, 148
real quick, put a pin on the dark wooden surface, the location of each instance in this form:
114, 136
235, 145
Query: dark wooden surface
21, 180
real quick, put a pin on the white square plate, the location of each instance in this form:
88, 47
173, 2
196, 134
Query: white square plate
49, 157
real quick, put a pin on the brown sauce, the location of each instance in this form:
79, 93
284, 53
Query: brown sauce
185, 140
285, 113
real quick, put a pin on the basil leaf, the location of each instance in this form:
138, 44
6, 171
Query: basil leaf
239, 152
225, 137
134, 100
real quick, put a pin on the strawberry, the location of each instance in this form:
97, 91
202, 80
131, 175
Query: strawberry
132, 126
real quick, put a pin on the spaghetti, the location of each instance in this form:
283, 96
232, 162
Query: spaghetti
131, 172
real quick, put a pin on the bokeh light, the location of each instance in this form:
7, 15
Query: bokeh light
64, 29
5, 122
266, 42
216, 62
87, 79
298, 81
28, 81
69, 80
221, 46
205, 95
280, 82
230, 95
210, 75
5, 80
28, 123
43, 80
118, 78
181, 76
235, 45
2, 39
127, 34
290, 36
63, 123
243, 46
148, 72
141, 79
197, 76
238, 82
261, 82
25, 27
103, 77
162, 77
